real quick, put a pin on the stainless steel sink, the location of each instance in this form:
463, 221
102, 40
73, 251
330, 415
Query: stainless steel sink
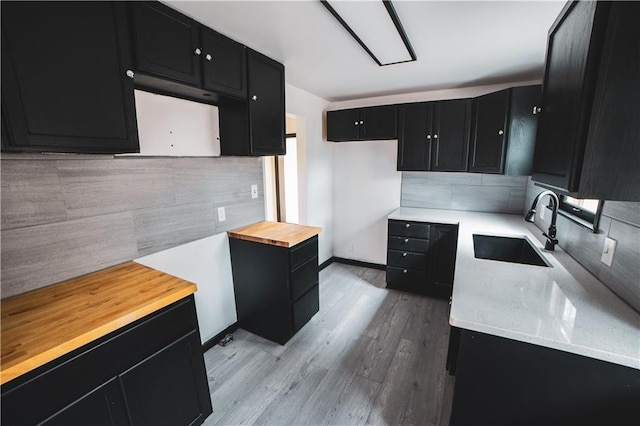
506, 249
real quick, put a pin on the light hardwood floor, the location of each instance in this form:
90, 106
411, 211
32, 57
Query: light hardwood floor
370, 356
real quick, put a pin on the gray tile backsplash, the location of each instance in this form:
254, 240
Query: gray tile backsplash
64, 218
620, 221
463, 191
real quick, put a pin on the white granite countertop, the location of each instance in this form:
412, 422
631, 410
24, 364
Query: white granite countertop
561, 307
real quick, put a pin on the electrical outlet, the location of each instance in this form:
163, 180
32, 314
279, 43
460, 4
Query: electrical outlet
254, 191
608, 251
350, 248
221, 214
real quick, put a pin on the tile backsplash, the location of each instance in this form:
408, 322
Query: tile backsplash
620, 221
464, 191
61, 218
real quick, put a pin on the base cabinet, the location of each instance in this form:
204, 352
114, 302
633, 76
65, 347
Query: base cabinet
150, 372
276, 288
501, 381
421, 257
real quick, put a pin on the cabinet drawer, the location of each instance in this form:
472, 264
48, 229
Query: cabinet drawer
409, 229
305, 308
303, 251
407, 260
415, 245
304, 277
408, 276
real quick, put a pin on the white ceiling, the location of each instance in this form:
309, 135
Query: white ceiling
458, 43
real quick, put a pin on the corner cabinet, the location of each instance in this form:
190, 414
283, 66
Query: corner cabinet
147, 373
421, 257
256, 126
587, 141
434, 135
362, 124
64, 78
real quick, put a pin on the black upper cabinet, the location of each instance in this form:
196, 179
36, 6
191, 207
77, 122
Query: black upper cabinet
414, 136
343, 125
450, 133
224, 65
169, 45
360, 124
587, 141
167, 42
523, 123
490, 132
64, 83
434, 135
256, 126
266, 105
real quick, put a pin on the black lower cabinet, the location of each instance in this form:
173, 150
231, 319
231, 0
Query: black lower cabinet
150, 372
421, 257
276, 288
501, 381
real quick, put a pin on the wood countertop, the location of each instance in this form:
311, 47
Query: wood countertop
44, 324
275, 233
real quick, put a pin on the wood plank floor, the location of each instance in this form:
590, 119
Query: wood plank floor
370, 356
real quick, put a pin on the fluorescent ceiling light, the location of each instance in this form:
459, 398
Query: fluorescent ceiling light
376, 27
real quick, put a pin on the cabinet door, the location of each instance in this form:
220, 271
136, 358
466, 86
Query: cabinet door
450, 134
64, 83
343, 125
170, 386
414, 136
489, 140
444, 243
523, 123
102, 406
166, 42
378, 123
266, 105
566, 96
225, 64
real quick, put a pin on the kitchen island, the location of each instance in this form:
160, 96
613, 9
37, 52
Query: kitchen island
518, 314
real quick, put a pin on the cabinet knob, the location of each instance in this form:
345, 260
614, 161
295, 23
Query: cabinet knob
435, 136
208, 57
500, 132
197, 51
407, 225
406, 240
404, 254
254, 98
404, 271
361, 122
355, 123
536, 110
130, 73
428, 136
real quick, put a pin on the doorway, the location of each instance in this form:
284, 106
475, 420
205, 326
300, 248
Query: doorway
281, 179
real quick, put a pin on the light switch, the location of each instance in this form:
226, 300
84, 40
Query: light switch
608, 251
221, 215
254, 191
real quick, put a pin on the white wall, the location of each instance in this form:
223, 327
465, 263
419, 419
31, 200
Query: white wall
315, 165
366, 188
366, 184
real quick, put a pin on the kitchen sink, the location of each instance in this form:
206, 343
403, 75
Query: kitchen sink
506, 249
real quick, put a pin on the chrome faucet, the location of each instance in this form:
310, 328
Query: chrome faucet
551, 235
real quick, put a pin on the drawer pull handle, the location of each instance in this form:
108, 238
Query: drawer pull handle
406, 240
404, 254
407, 225
404, 271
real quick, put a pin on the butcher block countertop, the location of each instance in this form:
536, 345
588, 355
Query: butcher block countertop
275, 233
44, 324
